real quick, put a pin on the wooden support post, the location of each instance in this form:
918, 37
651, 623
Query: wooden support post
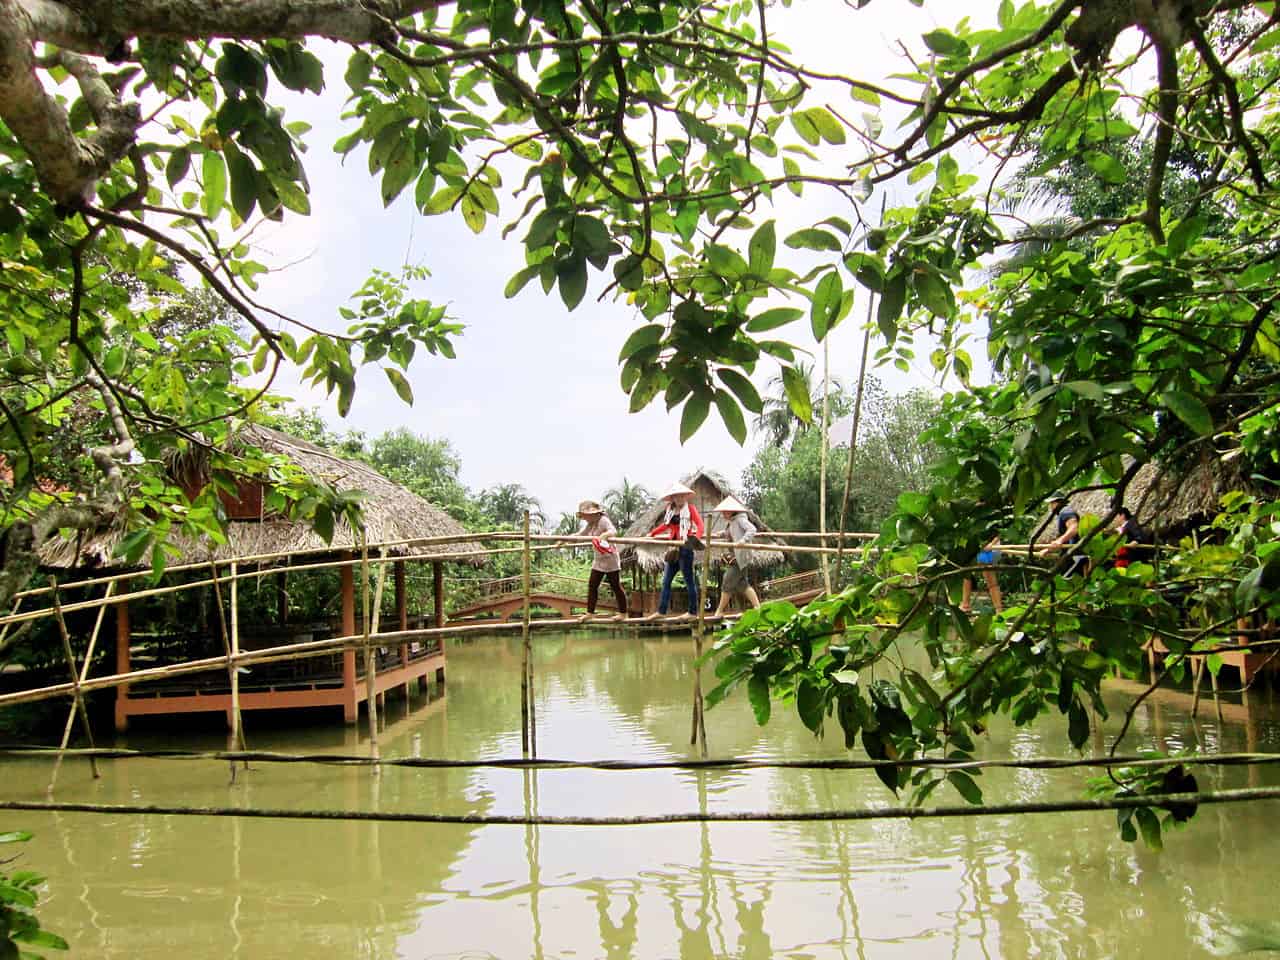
350, 705
76, 695
122, 665
437, 587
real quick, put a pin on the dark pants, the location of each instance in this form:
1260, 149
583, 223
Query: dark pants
615, 583
690, 583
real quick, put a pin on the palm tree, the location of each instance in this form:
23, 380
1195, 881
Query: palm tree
506, 504
568, 524
776, 419
625, 503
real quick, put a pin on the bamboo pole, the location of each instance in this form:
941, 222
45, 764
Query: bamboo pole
370, 662
84, 675
371, 629
524, 647
822, 459
77, 696
231, 667
237, 720
528, 639
699, 732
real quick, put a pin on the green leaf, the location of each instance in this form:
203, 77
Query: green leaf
43, 939
797, 394
15, 836
572, 275
1149, 827
731, 414
742, 388
646, 336
810, 704
113, 362
1190, 410
892, 300
695, 412
762, 249
1107, 167
214, 174
828, 127
590, 235
244, 181
945, 44
966, 786
178, 165
776, 317
825, 310
812, 239
935, 293
1077, 725
758, 694
403, 390
808, 130
1087, 389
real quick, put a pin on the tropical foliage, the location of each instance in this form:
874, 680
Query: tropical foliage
653, 146
20, 931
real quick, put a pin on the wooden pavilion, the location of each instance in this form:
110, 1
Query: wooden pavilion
269, 544
647, 563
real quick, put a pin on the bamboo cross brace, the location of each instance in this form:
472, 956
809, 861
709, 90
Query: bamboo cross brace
371, 630
77, 696
370, 664
231, 667
84, 675
237, 720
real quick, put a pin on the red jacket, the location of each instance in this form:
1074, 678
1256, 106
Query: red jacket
671, 531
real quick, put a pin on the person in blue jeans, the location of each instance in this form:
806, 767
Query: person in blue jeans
682, 524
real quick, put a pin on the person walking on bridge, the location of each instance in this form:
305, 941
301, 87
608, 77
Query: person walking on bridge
606, 563
682, 523
741, 529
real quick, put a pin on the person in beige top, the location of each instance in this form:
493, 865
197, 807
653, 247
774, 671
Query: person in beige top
735, 582
606, 563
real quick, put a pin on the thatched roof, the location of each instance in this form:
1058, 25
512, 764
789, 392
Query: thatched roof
391, 513
1163, 499
709, 488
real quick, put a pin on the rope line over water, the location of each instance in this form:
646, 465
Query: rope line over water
729, 764
797, 816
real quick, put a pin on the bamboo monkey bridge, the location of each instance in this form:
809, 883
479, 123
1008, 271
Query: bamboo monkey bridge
376, 655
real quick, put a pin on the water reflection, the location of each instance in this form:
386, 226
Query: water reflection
997, 887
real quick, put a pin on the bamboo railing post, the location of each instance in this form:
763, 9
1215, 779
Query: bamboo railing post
231, 666
84, 675
529, 740
699, 731
237, 719
77, 696
822, 459
370, 663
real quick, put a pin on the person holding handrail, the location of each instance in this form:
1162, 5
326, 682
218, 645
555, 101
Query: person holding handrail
741, 529
606, 565
682, 523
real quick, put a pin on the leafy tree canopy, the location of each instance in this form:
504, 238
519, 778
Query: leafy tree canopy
655, 143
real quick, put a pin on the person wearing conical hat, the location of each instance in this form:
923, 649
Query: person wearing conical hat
605, 564
741, 529
682, 523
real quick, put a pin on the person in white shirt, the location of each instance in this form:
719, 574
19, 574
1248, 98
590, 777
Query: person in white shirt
741, 530
606, 564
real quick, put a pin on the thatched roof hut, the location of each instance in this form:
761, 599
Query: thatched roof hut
391, 513
1166, 501
709, 488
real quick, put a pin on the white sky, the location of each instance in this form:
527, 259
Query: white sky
533, 396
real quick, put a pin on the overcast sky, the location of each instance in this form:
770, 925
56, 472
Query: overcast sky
533, 396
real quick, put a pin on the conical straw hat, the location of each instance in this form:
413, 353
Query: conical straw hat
730, 504
675, 490
589, 507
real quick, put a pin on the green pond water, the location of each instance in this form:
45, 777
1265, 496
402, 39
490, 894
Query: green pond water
1060, 885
